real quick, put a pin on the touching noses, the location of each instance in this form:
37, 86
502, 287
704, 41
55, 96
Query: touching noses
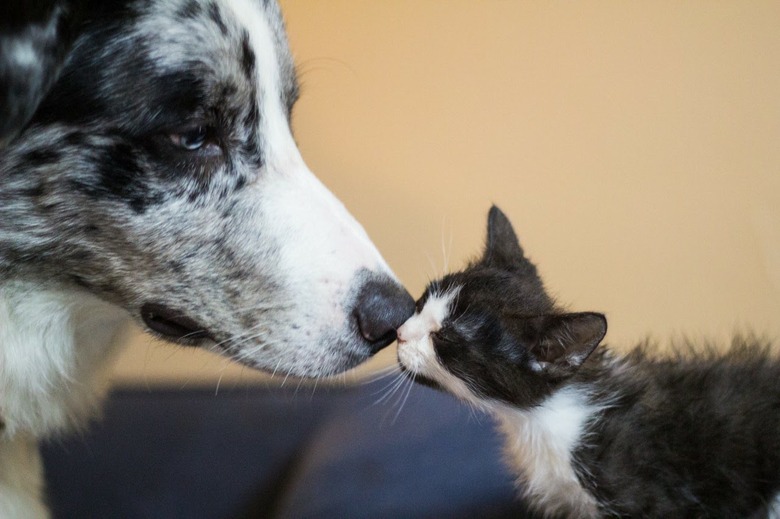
382, 306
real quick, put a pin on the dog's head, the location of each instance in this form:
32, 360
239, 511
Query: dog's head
160, 173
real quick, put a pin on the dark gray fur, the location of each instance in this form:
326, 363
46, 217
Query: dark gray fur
35, 37
692, 434
76, 188
94, 196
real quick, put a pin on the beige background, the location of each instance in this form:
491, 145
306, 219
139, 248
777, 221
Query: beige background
635, 145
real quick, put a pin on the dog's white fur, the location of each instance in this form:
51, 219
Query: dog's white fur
53, 365
56, 344
56, 340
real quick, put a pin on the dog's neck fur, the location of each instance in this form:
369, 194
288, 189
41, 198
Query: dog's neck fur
54, 347
53, 343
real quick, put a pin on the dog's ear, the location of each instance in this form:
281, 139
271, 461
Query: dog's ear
42, 33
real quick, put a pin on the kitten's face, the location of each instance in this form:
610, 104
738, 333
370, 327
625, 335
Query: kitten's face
491, 333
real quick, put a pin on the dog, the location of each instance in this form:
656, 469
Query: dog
148, 171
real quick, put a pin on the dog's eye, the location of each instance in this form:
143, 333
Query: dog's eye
196, 138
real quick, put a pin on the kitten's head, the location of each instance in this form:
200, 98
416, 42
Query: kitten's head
491, 332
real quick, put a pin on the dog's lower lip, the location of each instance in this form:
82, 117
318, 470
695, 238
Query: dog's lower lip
172, 324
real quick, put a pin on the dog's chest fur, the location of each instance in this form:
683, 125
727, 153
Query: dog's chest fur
55, 344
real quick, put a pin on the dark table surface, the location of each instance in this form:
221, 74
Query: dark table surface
271, 452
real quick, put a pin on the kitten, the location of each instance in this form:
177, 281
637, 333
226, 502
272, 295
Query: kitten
592, 434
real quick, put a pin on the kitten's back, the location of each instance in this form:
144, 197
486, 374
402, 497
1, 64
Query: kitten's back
692, 433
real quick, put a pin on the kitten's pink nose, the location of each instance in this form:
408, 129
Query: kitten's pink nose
401, 335
409, 331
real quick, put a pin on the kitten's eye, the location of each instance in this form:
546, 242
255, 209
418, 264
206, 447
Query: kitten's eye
443, 336
197, 138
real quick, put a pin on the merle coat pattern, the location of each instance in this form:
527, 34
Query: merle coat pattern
590, 433
150, 172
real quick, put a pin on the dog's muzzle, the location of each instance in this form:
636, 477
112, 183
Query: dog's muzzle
381, 307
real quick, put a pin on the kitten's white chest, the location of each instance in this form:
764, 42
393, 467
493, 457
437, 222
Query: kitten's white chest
539, 445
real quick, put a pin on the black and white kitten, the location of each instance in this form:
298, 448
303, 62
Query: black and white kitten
596, 434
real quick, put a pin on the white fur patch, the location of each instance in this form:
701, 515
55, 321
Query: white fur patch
773, 509
429, 319
55, 347
26, 48
321, 245
415, 346
54, 350
539, 445
539, 442
24, 54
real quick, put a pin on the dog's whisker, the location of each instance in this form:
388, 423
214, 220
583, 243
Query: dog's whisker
194, 332
276, 368
238, 340
305, 67
263, 307
253, 349
314, 388
219, 382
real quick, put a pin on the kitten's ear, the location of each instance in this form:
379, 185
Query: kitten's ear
502, 250
559, 344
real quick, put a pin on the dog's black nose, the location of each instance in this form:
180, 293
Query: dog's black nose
382, 306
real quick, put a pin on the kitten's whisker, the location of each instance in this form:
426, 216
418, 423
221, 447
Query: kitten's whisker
393, 387
396, 374
381, 374
396, 384
432, 264
409, 387
445, 255
462, 314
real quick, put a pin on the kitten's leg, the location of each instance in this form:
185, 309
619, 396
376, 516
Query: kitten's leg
21, 479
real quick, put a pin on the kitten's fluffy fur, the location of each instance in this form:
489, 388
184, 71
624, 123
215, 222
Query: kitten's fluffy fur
596, 434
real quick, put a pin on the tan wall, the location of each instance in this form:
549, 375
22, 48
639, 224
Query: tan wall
635, 145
